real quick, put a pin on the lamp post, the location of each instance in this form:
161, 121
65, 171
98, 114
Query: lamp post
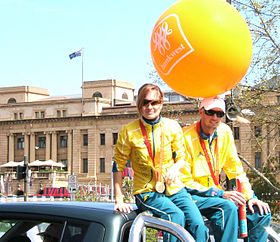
25, 163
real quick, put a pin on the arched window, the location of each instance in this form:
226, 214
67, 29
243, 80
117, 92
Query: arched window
97, 94
124, 96
12, 100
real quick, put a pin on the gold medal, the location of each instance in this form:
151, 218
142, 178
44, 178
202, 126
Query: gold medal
160, 187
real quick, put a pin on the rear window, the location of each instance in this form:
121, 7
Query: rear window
15, 230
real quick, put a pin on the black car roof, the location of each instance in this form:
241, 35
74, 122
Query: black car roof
116, 225
91, 211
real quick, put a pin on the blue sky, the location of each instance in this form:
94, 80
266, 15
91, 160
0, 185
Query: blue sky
37, 37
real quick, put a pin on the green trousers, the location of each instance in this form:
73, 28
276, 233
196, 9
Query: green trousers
178, 208
222, 215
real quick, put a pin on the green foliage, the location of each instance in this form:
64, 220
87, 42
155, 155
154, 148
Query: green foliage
127, 188
151, 235
84, 195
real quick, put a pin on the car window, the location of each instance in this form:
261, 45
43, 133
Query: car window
5, 225
42, 231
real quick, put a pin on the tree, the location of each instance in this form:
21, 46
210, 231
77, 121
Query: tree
263, 18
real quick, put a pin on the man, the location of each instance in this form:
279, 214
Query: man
210, 149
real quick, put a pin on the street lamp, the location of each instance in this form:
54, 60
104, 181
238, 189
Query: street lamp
25, 163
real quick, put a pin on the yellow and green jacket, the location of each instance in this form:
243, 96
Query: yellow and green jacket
228, 160
131, 146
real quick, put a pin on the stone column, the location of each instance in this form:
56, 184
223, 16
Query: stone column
92, 152
48, 146
32, 147
11, 156
69, 148
54, 146
76, 158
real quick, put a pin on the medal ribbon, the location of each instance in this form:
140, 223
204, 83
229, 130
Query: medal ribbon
158, 174
202, 143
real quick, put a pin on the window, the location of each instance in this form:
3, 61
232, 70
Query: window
115, 138
73, 231
102, 139
102, 165
97, 94
63, 141
12, 100
85, 165
61, 113
20, 143
85, 139
18, 116
124, 96
41, 141
40, 114
258, 131
236, 133
258, 160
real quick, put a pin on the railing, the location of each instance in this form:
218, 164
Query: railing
49, 174
40, 174
142, 221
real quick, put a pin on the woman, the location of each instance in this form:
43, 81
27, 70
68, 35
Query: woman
156, 149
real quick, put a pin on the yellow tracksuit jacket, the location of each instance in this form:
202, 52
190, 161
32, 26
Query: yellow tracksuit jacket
228, 159
131, 146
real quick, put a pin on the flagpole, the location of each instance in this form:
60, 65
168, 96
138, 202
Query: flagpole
74, 55
82, 81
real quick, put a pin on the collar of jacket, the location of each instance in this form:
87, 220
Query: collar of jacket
152, 122
208, 137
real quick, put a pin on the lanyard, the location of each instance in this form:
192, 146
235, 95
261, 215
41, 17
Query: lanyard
158, 173
202, 143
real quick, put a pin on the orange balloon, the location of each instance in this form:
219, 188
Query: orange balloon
201, 48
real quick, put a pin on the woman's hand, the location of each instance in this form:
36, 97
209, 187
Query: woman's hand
173, 173
121, 206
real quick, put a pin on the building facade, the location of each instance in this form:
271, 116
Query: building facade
79, 132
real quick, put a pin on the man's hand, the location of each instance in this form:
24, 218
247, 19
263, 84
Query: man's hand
236, 197
263, 207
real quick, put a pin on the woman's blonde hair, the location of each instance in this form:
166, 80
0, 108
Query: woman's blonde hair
142, 92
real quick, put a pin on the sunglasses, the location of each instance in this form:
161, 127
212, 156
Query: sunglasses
152, 102
211, 112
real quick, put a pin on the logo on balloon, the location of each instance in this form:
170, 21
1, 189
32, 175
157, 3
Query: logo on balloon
167, 54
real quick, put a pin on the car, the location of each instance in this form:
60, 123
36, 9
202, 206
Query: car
70, 221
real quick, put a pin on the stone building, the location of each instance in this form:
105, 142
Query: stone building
79, 132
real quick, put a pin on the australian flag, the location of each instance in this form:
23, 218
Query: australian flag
75, 54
